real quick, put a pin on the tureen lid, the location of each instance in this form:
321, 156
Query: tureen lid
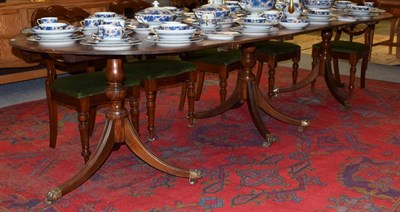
155, 10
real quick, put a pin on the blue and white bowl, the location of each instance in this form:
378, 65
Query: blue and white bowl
155, 15
255, 6
318, 12
173, 26
53, 26
253, 19
341, 4
318, 3
359, 8
294, 23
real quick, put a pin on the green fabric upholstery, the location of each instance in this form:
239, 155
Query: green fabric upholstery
277, 47
157, 68
213, 56
345, 47
86, 84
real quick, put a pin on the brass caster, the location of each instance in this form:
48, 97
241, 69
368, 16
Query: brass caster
347, 105
53, 195
194, 175
303, 125
276, 91
269, 139
187, 115
151, 139
190, 125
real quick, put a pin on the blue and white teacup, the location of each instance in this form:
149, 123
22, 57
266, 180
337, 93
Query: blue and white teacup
369, 4
53, 26
173, 25
254, 19
272, 15
105, 14
111, 32
45, 20
90, 23
113, 21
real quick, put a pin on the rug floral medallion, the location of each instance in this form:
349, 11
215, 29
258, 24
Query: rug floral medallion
345, 161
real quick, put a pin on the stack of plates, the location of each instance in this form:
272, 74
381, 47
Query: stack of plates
319, 19
258, 29
174, 38
124, 43
59, 37
222, 35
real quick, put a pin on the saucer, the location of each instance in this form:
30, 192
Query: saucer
222, 35
174, 43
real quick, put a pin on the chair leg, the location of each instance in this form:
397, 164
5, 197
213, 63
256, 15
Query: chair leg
353, 69
364, 66
272, 63
259, 71
191, 96
200, 83
183, 96
223, 76
83, 118
150, 105
295, 67
134, 107
391, 34
314, 55
53, 118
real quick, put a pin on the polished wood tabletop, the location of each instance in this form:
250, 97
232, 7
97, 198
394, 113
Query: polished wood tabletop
118, 128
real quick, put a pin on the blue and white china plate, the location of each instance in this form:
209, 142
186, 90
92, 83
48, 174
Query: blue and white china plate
55, 42
175, 32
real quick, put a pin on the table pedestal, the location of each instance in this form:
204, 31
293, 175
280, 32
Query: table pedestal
118, 129
248, 91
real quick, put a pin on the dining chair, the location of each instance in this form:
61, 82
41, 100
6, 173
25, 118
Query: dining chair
348, 50
156, 73
81, 91
215, 60
272, 52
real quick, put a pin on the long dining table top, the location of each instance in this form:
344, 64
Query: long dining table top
149, 48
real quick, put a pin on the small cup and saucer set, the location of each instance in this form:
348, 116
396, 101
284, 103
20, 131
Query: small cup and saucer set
50, 32
110, 38
257, 25
91, 23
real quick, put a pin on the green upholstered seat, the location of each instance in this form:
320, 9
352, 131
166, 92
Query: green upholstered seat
277, 47
86, 84
345, 47
214, 56
157, 68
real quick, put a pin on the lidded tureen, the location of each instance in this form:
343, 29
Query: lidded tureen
255, 6
155, 15
220, 11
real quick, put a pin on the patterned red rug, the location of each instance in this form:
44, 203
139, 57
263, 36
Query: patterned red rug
346, 160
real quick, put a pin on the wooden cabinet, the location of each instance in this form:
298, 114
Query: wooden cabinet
14, 16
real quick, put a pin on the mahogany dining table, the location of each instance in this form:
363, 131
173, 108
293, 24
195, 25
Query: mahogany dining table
118, 128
